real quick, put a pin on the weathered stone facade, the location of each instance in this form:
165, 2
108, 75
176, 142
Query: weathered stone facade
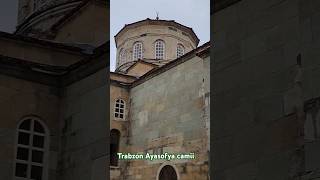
63, 86
167, 110
266, 90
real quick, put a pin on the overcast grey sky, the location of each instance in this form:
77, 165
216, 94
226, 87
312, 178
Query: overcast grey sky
8, 15
191, 13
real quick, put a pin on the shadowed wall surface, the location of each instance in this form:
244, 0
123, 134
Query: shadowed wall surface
265, 73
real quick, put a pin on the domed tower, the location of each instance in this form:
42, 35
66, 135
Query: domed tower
36, 17
156, 41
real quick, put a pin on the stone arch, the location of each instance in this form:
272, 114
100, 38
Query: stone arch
168, 171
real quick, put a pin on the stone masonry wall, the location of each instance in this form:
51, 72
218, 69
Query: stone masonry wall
19, 99
83, 153
167, 114
265, 68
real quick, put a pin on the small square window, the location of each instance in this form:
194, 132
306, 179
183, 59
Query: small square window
36, 173
23, 154
23, 138
38, 141
37, 156
21, 170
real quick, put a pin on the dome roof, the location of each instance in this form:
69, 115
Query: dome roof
148, 21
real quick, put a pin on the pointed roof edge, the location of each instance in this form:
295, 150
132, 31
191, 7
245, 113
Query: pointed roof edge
141, 61
133, 63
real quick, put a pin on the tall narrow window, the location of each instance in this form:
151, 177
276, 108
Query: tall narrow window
159, 49
122, 56
31, 150
114, 146
137, 51
119, 109
180, 50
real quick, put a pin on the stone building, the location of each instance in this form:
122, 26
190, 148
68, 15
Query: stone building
266, 90
53, 92
159, 101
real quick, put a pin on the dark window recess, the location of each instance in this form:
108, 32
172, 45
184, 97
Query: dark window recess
23, 138
38, 141
114, 147
184, 33
113, 157
25, 125
143, 35
38, 127
37, 156
173, 29
299, 60
36, 172
67, 124
168, 173
23, 154
21, 170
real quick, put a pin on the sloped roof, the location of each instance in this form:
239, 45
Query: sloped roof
124, 68
139, 62
52, 75
218, 5
202, 51
160, 22
50, 44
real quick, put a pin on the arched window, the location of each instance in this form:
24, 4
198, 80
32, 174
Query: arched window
122, 56
119, 109
167, 173
159, 49
137, 51
31, 150
114, 146
180, 50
